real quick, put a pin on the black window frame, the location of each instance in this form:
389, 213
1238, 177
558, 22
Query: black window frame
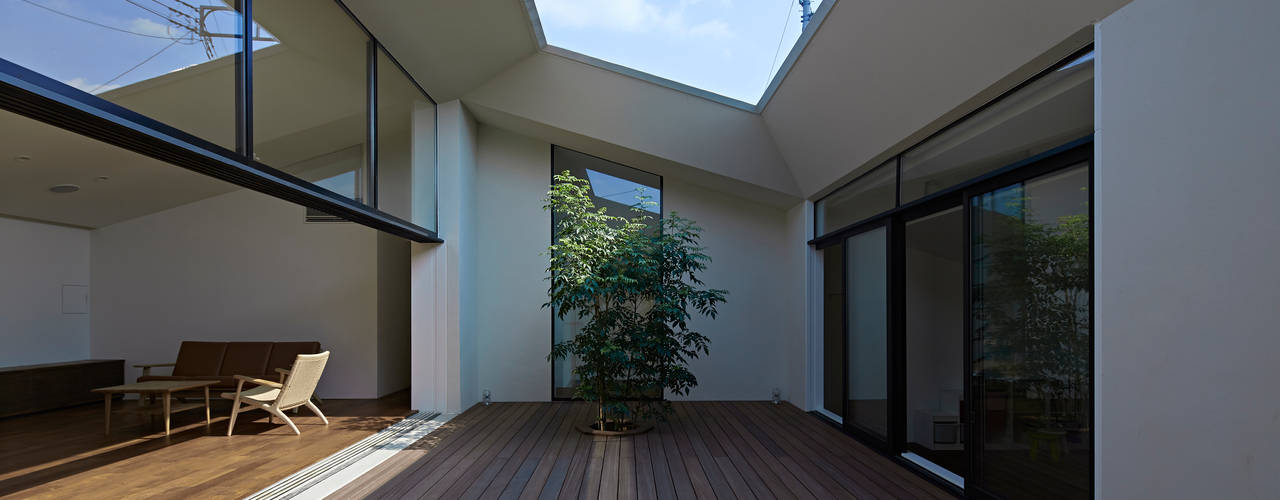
34, 95
662, 193
1061, 158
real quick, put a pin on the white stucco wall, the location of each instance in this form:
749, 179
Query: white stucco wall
1186, 240
752, 335
240, 266
513, 332
752, 338
36, 261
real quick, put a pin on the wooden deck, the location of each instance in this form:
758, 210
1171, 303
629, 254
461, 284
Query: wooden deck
64, 454
706, 450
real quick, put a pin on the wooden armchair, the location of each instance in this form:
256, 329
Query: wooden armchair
294, 390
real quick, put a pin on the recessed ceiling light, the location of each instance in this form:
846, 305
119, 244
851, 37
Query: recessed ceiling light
101, 178
65, 188
22, 158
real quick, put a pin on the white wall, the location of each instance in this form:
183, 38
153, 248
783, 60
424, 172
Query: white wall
752, 340
752, 335
36, 260
796, 337
1186, 237
512, 329
240, 266
444, 362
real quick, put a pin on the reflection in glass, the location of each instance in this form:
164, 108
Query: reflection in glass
310, 91
833, 305
866, 196
617, 188
170, 60
406, 147
934, 343
868, 331
1049, 112
1031, 332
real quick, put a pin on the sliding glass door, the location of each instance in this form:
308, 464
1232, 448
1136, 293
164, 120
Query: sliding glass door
1030, 328
855, 375
867, 274
933, 344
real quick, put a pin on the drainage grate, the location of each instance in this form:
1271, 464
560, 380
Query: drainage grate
300, 481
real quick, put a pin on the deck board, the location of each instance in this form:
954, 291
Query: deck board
705, 450
64, 454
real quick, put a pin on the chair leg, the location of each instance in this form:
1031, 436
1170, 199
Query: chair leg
235, 409
311, 406
282, 416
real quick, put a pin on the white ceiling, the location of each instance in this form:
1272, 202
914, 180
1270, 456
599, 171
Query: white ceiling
879, 71
450, 46
137, 185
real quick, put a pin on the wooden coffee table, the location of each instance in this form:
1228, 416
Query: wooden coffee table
160, 388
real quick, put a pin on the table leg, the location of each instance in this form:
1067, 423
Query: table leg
166, 413
206, 406
108, 416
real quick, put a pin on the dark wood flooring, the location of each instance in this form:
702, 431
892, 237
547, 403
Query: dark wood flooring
705, 450
64, 454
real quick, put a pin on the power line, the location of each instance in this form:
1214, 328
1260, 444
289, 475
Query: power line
100, 25
144, 61
781, 36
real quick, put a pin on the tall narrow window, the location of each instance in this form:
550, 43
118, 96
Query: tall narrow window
617, 188
406, 147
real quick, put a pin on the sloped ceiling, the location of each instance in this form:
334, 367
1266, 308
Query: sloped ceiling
450, 46
581, 99
880, 72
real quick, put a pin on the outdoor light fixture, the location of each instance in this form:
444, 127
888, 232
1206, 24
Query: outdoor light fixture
777, 395
487, 398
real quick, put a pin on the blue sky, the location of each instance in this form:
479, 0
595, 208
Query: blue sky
88, 55
729, 47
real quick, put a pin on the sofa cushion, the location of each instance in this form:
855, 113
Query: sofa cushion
199, 358
245, 358
283, 354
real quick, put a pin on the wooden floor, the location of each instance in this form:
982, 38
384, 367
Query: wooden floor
64, 454
705, 450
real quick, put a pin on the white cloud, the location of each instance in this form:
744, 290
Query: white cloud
632, 16
149, 27
92, 88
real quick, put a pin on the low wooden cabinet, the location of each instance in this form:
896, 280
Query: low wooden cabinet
34, 388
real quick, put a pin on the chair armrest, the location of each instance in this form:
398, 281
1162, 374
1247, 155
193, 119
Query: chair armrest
283, 373
253, 380
146, 369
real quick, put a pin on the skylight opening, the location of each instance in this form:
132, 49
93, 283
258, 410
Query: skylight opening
728, 47
619, 190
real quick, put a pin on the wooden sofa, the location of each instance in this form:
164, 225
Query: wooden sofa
222, 361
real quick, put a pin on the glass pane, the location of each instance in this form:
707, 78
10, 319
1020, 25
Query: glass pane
866, 196
833, 329
934, 303
1047, 113
1031, 335
868, 331
406, 147
310, 91
170, 60
617, 188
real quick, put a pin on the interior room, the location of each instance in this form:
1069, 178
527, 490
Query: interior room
113, 259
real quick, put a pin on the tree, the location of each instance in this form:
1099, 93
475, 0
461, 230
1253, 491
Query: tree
635, 282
